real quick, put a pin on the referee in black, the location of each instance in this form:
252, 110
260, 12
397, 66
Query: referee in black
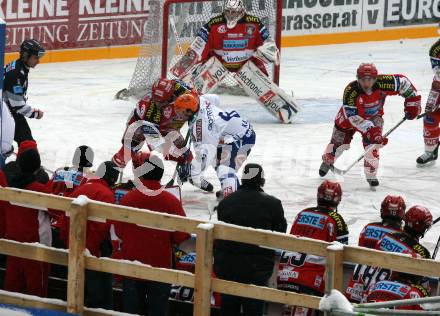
15, 86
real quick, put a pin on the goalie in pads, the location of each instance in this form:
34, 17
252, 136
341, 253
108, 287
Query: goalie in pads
239, 43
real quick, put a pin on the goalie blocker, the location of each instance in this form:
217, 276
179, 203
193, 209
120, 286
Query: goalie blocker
206, 77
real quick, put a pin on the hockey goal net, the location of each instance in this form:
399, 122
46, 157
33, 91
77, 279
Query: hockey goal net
171, 27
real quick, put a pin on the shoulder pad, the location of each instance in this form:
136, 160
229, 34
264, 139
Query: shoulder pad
217, 20
251, 18
340, 223
422, 290
351, 92
435, 50
386, 82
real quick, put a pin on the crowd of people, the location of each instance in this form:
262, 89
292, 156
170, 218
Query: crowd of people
249, 206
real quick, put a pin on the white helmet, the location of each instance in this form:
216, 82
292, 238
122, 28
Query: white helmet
234, 10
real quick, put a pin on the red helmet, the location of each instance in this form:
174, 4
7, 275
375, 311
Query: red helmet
139, 158
162, 90
393, 207
329, 193
418, 219
367, 70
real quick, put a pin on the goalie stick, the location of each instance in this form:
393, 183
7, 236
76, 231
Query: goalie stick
343, 172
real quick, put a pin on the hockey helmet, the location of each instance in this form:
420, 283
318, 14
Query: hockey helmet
393, 207
367, 70
31, 47
162, 91
233, 11
329, 193
418, 220
187, 102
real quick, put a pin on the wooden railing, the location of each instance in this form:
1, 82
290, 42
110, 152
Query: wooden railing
77, 260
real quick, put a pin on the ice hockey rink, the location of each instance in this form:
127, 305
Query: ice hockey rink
78, 100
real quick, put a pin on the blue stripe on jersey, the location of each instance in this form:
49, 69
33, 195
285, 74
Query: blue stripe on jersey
203, 34
391, 244
264, 32
312, 219
435, 62
377, 232
392, 287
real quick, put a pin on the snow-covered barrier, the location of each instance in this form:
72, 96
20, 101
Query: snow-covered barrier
78, 258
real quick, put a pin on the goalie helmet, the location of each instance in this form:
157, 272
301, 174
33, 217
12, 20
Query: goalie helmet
329, 194
393, 207
162, 91
233, 10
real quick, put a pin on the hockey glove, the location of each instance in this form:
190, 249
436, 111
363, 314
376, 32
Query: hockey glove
37, 114
184, 171
374, 136
413, 107
186, 157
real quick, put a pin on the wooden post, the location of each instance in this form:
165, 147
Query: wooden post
76, 268
334, 268
204, 251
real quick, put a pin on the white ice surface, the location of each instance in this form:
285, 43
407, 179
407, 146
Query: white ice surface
79, 105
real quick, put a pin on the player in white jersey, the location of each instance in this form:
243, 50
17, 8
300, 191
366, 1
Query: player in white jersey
221, 139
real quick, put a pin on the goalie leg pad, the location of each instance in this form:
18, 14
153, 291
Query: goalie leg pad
267, 93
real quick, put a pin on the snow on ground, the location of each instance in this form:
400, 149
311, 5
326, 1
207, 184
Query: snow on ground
79, 105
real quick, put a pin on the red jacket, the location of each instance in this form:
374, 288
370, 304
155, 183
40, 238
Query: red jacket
28, 224
150, 246
97, 231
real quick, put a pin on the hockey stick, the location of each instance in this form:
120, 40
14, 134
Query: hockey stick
343, 172
434, 254
176, 35
187, 141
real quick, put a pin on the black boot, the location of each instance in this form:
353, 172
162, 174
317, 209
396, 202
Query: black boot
324, 169
428, 156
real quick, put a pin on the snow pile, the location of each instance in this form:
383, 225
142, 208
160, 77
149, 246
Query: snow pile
81, 200
431, 306
336, 300
13, 312
336, 246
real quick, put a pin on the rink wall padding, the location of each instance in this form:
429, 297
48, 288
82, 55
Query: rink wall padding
88, 29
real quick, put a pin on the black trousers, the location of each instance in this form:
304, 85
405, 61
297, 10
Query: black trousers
99, 290
22, 129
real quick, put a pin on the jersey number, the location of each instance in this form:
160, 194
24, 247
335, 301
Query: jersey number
227, 116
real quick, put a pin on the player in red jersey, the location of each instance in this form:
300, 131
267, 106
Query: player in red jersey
304, 273
401, 286
362, 112
431, 122
153, 116
418, 220
392, 212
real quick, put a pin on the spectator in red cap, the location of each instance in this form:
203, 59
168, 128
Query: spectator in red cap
149, 246
26, 224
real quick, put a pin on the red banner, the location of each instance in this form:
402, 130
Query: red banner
62, 24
